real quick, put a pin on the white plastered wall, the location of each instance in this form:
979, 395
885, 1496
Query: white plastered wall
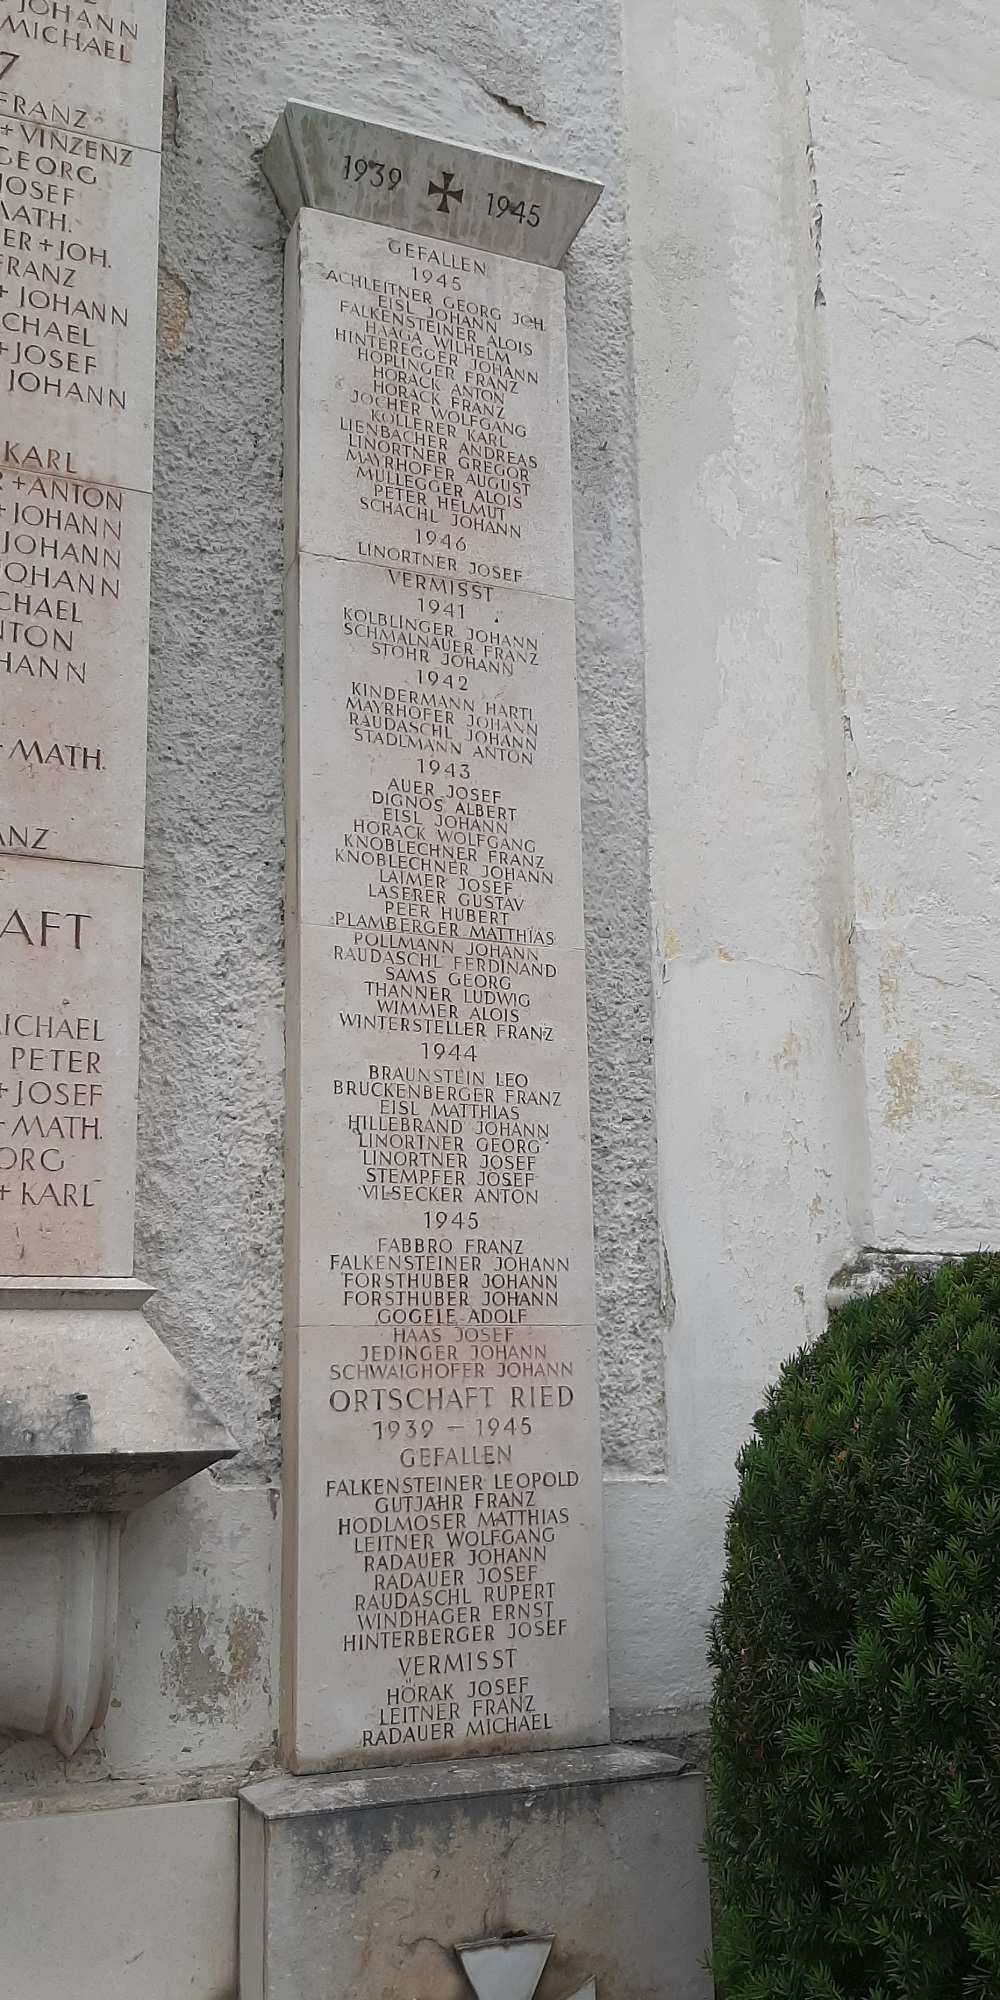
905, 98
816, 241
759, 1108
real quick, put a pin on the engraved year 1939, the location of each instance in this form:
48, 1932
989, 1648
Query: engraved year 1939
375, 172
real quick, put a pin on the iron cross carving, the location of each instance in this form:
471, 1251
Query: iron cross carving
511, 1968
446, 191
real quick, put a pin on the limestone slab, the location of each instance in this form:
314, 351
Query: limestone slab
74, 621
448, 1505
377, 1883
475, 1135
325, 159
74, 67
439, 1303
69, 1047
437, 405
435, 750
77, 366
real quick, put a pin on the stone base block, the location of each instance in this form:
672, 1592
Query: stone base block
360, 1886
121, 1903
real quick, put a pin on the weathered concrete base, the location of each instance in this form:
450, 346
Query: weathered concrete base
119, 1903
363, 1883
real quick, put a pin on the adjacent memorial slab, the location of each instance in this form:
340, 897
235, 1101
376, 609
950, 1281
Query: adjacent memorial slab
74, 632
77, 363
79, 202
444, 1548
95, 1416
80, 68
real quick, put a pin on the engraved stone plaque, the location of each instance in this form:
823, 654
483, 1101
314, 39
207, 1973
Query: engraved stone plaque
69, 1033
444, 1518
74, 620
79, 186
476, 446
99, 1417
76, 364
84, 69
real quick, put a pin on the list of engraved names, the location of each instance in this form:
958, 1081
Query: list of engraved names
79, 177
448, 1482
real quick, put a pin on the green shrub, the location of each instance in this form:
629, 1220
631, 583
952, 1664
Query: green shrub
855, 1841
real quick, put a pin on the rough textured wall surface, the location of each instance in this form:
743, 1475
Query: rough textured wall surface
538, 80
758, 1081
905, 99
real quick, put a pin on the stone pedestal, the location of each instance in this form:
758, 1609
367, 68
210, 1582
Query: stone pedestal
367, 1884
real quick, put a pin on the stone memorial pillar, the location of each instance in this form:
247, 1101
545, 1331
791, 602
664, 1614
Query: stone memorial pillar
444, 1594
95, 1416
443, 1499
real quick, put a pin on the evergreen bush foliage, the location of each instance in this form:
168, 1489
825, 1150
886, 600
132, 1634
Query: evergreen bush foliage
855, 1841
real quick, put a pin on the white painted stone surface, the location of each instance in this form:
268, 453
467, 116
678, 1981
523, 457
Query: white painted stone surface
751, 889
60, 1590
104, 1904
906, 123
195, 1673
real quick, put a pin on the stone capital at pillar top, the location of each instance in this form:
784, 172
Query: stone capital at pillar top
327, 159
96, 1415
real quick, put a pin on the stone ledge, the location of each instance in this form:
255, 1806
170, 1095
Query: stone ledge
303, 162
871, 1270
96, 1416
468, 1778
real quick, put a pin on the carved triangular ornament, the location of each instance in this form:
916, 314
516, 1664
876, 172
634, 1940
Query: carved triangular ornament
511, 1968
